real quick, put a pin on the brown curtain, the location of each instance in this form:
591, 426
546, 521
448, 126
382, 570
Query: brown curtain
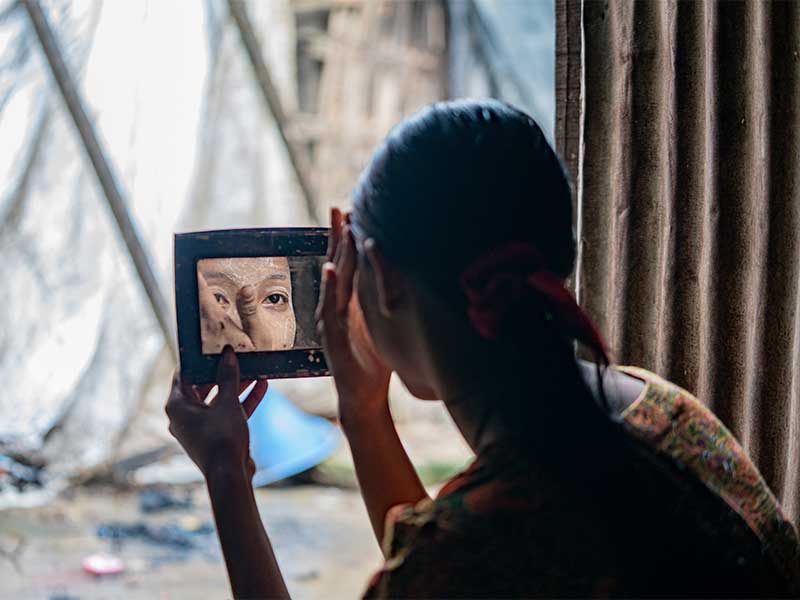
689, 211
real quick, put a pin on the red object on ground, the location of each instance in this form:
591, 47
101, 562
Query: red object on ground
103, 564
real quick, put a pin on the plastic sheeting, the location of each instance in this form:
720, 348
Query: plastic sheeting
505, 49
183, 122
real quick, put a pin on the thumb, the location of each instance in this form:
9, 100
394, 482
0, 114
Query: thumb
228, 375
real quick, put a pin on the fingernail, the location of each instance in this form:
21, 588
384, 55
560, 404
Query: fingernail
328, 269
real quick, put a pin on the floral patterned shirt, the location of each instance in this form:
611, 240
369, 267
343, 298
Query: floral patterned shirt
697, 520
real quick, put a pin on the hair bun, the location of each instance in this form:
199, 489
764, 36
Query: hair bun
501, 279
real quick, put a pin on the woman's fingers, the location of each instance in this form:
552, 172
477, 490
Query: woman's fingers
345, 270
255, 397
175, 394
190, 394
179, 400
183, 392
204, 389
335, 234
338, 254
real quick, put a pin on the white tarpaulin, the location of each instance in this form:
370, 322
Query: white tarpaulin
181, 118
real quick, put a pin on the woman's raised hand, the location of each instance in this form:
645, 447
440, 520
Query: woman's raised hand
362, 379
385, 473
215, 435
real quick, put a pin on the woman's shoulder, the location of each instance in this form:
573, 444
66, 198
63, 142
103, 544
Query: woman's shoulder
502, 508
489, 532
496, 484
679, 426
411, 533
484, 539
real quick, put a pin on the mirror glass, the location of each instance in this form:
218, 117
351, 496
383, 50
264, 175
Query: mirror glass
258, 304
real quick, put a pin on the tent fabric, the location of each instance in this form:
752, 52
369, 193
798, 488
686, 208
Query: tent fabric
184, 125
60, 254
176, 107
689, 221
505, 49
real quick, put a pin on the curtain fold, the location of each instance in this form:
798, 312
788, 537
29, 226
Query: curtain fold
689, 213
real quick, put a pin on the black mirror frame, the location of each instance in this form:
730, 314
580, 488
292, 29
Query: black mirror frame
197, 367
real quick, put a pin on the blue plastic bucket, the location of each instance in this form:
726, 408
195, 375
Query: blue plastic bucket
285, 441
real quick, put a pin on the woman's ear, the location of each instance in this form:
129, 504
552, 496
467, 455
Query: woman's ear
387, 280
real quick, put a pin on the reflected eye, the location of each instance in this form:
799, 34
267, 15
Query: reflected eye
221, 299
276, 299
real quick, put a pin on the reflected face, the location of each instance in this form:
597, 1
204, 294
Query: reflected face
247, 303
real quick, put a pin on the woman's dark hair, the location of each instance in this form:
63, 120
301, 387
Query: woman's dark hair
456, 181
460, 178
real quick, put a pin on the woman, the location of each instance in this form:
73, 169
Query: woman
588, 480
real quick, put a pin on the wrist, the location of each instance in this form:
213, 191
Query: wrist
357, 414
224, 474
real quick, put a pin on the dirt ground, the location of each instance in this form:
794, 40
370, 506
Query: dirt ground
320, 532
321, 535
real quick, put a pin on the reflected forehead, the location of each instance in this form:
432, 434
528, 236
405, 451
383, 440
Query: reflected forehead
250, 262
249, 269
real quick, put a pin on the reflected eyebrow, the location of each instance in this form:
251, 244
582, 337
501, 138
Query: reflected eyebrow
217, 275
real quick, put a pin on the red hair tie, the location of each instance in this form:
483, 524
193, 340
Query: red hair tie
504, 277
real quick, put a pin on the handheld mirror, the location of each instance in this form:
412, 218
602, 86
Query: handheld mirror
255, 289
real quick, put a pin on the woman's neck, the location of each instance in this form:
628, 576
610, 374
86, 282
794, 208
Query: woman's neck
497, 392
512, 400
479, 432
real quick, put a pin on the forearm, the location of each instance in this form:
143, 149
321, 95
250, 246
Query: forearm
253, 570
384, 470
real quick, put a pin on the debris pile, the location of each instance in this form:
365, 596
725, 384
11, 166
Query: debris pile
18, 475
